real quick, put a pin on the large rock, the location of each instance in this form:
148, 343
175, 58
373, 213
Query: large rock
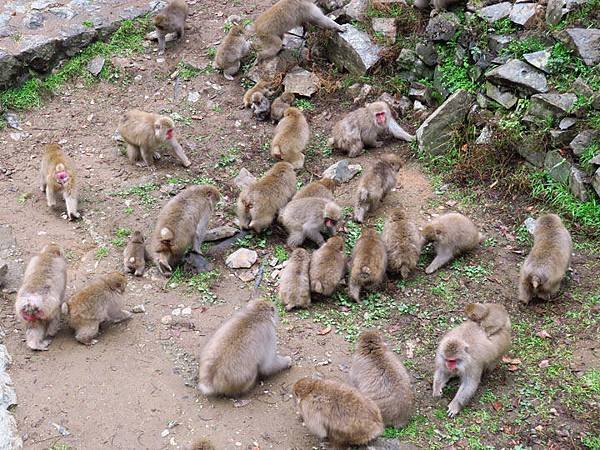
8, 396
40, 52
493, 13
502, 96
9, 437
442, 27
596, 182
586, 42
353, 50
557, 167
497, 42
533, 152
583, 141
411, 68
516, 73
342, 171
301, 81
427, 52
554, 105
539, 60
554, 11
525, 14
435, 135
10, 69
241, 259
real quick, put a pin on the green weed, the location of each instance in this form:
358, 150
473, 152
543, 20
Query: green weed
454, 76
102, 252
143, 192
318, 144
229, 157
304, 104
120, 237
353, 232
186, 72
518, 47
280, 253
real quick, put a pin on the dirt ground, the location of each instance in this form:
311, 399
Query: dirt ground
138, 380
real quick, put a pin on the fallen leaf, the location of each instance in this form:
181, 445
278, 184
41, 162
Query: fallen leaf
324, 331
497, 406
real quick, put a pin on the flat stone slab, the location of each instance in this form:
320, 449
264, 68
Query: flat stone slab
38, 34
519, 74
586, 42
353, 50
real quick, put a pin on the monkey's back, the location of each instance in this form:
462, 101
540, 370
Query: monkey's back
314, 189
292, 133
90, 302
40, 274
327, 268
294, 283
137, 128
231, 49
302, 210
403, 244
283, 15
456, 228
177, 9
369, 260
481, 348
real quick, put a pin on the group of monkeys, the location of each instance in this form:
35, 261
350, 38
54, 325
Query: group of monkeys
244, 348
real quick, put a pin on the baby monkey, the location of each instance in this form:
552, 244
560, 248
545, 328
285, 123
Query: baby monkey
96, 303
58, 176
294, 285
261, 107
369, 261
403, 243
231, 51
280, 104
134, 255
171, 20
492, 317
262, 86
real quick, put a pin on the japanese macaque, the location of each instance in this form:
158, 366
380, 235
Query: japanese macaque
327, 266
202, 444
323, 188
375, 184
280, 18
261, 107
548, 260
58, 176
41, 295
263, 86
492, 317
243, 349
294, 284
452, 234
378, 374
361, 128
337, 412
171, 20
280, 104
466, 352
308, 218
97, 302
369, 261
291, 138
182, 224
134, 255
145, 132
403, 243
231, 51
436, 4
259, 203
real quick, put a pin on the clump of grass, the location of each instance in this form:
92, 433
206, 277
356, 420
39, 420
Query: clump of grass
304, 104
519, 47
280, 253
319, 144
590, 151
102, 252
229, 157
187, 72
353, 232
504, 26
143, 192
454, 75
566, 67
199, 283
120, 237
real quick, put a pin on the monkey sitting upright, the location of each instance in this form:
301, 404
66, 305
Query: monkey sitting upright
231, 51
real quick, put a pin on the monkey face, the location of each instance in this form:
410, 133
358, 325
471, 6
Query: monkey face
331, 225
31, 313
380, 118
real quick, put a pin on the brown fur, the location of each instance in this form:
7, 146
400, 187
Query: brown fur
280, 104
261, 107
134, 255
202, 444
282, 17
375, 184
95, 303
369, 261
40, 296
231, 51
291, 138
452, 234
360, 129
145, 132
171, 20
403, 243
263, 86
492, 317
548, 260
243, 349
323, 188
337, 412
378, 373
259, 203
473, 352
436, 4
54, 165
182, 223
294, 284
327, 266
309, 218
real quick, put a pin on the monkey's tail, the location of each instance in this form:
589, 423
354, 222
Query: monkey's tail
276, 151
365, 274
65, 308
363, 194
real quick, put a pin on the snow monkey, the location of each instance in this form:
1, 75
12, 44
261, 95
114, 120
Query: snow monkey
309, 218
369, 261
145, 132
58, 176
134, 255
280, 104
171, 20
327, 266
41, 295
322, 188
492, 317
243, 349
231, 51
262, 86
95, 303
291, 138
548, 260
294, 285
261, 107
361, 128
403, 243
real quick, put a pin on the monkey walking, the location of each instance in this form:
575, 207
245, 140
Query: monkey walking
58, 176
369, 262
171, 20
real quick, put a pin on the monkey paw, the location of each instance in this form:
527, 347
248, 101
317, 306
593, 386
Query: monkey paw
453, 409
74, 216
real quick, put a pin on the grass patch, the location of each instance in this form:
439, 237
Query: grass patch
353, 232
319, 145
280, 253
101, 252
229, 157
566, 67
121, 236
304, 104
518, 47
143, 192
199, 283
455, 74
186, 72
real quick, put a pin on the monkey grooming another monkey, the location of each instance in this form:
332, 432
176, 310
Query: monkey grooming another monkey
182, 224
492, 317
294, 284
231, 51
291, 138
243, 349
361, 128
261, 107
466, 352
280, 18
58, 176
280, 104
94, 304
308, 218
337, 412
375, 184
41, 295
369, 261
452, 234
263, 86
403, 243
322, 188
327, 266
259, 203
378, 373
548, 260
171, 20
134, 255
145, 132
